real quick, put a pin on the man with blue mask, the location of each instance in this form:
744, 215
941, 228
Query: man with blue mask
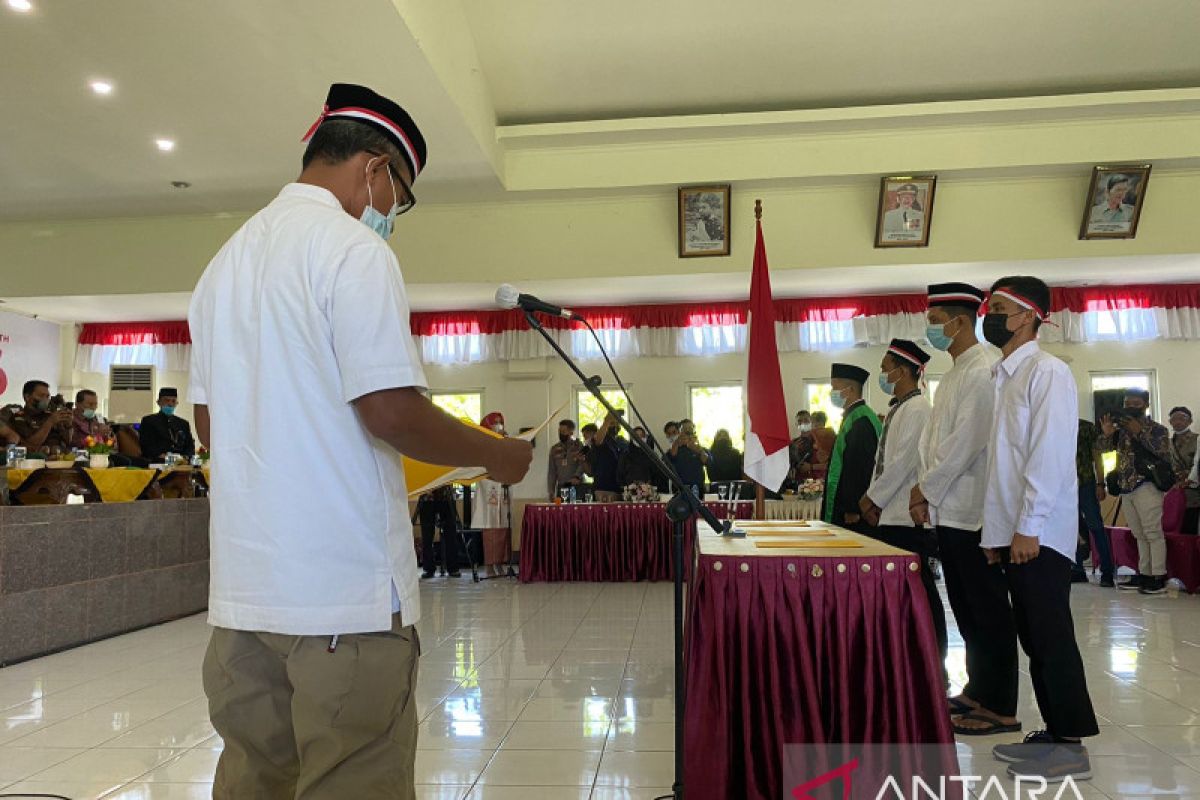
165, 432
884, 505
853, 455
311, 671
949, 496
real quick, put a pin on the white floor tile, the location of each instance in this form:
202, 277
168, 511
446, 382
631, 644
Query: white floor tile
556, 691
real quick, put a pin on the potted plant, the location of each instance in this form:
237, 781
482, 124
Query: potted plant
98, 451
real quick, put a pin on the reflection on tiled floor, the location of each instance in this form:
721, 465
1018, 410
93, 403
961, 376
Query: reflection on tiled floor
552, 691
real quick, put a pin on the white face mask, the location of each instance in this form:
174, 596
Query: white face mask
371, 217
805, 427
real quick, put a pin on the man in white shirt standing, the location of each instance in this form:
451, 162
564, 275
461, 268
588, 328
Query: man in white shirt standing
311, 669
950, 496
885, 505
1030, 525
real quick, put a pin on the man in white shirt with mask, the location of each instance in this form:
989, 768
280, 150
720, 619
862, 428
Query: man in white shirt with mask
311, 669
1030, 525
885, 505
950, 496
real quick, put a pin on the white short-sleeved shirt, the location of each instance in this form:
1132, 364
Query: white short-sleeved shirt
1032, 484
301, 312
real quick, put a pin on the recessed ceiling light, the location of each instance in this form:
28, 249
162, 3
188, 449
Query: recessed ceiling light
101, 87
166, 145
181, 184
20, 5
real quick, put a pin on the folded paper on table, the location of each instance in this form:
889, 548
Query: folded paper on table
421, 477
804, 544
773, 523
805, 532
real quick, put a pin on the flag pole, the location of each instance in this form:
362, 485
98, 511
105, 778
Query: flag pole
760, 494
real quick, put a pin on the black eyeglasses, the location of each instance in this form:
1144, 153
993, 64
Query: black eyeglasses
405, 204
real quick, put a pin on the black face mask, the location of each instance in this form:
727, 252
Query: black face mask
1136, 413
564, 437
995, 329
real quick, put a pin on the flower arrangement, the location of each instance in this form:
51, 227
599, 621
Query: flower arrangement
97, 446
203, 455
640, 493
811, 489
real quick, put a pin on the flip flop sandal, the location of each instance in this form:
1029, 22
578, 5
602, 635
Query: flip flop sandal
958, 707
993, 726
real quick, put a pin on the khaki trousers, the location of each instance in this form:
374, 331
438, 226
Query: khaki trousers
1144, 512
301, 722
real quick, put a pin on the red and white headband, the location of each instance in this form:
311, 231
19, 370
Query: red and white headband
909, 357
354, 112
1023, 302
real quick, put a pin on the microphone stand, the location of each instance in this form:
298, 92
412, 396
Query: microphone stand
683, 505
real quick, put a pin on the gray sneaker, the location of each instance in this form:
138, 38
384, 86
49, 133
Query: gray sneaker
1061, 762
1035, 745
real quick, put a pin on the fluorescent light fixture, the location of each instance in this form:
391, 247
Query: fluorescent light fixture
20, 5
101, 87
166, 145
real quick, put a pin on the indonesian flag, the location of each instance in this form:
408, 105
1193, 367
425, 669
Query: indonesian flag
767, 441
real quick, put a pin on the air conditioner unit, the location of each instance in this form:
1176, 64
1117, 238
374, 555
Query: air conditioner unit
130, 392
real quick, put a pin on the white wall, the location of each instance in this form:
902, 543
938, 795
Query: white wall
29, 349
526, 392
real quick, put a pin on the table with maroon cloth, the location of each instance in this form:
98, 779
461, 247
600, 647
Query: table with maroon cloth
605, 541
1183, 555
804, 646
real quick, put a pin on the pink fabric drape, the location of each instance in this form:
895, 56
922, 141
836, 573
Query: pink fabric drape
603, 542
791, 650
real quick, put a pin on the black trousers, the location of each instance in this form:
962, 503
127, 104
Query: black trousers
439, 513
1041, 600
1191, 521
978, 594
924, 544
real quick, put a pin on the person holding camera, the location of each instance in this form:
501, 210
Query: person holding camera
607, 448
44, 424
1143, 452
688, 457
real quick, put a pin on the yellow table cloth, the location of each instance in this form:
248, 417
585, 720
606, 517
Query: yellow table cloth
114, 485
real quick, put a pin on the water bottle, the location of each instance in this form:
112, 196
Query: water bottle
573, 496
10, 456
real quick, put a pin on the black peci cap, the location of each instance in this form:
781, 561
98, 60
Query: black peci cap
955, 294
360, 104
849, 372
903, 348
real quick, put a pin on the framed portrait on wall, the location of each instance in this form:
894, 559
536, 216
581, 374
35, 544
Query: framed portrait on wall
703, 221
905, 211
1114, 201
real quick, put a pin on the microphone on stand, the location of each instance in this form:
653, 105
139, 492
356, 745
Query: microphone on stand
508, 297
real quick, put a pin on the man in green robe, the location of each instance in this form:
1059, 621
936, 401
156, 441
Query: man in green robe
853, 460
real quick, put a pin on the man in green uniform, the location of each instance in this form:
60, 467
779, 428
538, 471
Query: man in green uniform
853, 460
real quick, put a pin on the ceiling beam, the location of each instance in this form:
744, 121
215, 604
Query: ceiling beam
443, 34
969, 136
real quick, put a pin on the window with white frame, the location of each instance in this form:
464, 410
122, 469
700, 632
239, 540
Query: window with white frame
588, 408
461, 405
713, 407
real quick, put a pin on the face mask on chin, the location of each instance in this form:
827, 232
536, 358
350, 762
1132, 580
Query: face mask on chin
382, 224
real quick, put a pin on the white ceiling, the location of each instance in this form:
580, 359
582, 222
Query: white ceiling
235, 83
841, 281
548, 60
